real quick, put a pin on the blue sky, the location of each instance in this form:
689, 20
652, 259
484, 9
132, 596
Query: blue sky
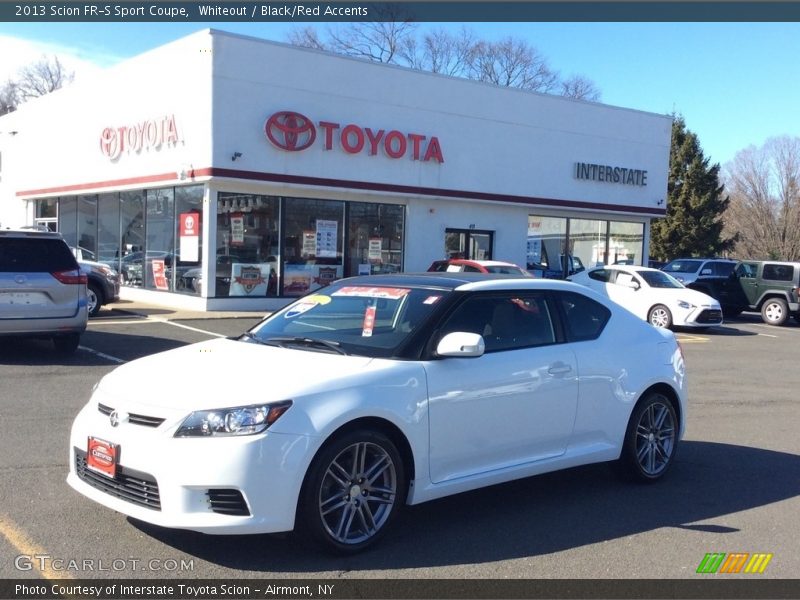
736, 84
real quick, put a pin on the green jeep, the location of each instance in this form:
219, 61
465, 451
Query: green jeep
766, 286
770, 287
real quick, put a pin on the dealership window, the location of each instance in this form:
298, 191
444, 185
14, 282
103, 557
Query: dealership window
313, 242
47, 213
625, 243
87, 226
108, 250
131, 227
547, 241
587, 242
160, 239
375, 238
189, 238
590, 241
248, 245
68, 220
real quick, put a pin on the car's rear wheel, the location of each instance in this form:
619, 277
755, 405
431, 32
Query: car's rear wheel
94, 297
66, 344
775, 311
650, 440
660, 316
353, 490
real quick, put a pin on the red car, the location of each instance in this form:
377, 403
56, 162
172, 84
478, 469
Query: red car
462, 265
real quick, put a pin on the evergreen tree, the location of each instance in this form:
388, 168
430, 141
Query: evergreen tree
695, 203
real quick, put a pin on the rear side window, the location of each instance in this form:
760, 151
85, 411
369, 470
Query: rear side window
35, 255
600, 275
584, 318
775, 272
723, 269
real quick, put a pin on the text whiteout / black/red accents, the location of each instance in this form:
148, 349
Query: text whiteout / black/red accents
150, 134
292, 131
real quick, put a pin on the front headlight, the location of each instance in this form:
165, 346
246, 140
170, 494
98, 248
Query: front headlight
684, 304
240, 420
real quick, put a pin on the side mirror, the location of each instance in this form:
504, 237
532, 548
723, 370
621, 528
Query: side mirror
461, 343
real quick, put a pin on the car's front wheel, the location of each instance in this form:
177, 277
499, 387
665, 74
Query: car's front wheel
353, 489
660, 316
650, 440
775, 311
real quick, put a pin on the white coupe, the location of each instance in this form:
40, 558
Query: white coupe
653, 295
376, 392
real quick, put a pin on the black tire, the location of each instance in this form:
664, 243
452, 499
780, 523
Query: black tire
347, 508
67, 344
774, 311
660, 316
650, 440
94, 296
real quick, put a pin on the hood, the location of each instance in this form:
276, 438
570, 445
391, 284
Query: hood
224, 373
697, 298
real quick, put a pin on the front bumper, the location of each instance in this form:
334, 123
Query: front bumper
699, 316
190, 483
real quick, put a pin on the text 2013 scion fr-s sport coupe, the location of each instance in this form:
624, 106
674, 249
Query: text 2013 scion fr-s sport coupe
376, 392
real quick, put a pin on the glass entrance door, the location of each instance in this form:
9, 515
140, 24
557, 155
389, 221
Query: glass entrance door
473, 244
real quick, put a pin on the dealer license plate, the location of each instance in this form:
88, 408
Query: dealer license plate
102, 456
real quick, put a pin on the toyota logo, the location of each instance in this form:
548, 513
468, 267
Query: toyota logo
116, 417
110, 143
290, 131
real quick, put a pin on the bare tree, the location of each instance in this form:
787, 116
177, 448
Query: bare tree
764, 186
9, 98
579, 87
513, 63
443, 52
307, 37
42, 77
510, 62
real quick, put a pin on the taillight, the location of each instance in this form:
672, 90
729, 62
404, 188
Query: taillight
70, 277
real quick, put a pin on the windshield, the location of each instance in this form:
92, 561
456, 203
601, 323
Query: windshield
507, 270
358, 319
682, 266
657, 279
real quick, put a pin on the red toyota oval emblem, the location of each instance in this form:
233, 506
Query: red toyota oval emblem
290, 131
110, 143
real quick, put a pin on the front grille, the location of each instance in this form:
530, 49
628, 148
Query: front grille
133, 418
129, 485
228, 502
710, 316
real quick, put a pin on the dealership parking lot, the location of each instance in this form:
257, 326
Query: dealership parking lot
734, 486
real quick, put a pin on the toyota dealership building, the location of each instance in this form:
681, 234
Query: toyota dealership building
226, 172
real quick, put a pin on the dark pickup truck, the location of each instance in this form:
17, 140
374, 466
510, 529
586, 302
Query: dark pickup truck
768, 287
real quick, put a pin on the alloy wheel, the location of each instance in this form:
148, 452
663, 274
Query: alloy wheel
655, 439
358, 492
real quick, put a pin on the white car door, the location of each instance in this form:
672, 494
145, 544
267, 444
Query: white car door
515, 404
631, 293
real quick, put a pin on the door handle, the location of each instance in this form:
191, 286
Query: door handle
559, 369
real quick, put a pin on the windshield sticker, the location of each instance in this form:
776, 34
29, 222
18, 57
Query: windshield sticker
431, 299
299, 309
371, 292
369, 321
317, 299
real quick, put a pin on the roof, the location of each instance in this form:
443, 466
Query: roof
458, 281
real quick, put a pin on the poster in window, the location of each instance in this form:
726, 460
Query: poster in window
309, 243
159, 274
237, 229
326, 238
189, 249
249, 279
375, 248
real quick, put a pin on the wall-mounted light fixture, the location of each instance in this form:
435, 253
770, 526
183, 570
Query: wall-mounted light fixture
660, 202
236, 155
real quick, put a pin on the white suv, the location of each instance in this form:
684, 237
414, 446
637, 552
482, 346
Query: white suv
688, 270
42, 289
